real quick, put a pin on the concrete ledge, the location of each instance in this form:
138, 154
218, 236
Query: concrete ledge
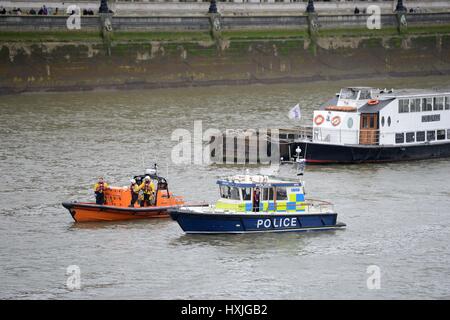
201, 23
229, 8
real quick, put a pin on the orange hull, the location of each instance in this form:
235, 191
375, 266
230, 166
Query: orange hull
87, 212
116, 207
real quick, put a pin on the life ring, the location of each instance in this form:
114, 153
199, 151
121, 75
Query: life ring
373, 102
336, 121
319, 119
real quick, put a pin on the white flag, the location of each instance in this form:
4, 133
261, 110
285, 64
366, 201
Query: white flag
295, 112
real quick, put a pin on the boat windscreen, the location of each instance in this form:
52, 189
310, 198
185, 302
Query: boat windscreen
227, 192
349, 94
246, 193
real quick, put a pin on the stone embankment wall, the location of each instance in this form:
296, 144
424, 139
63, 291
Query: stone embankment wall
59, 66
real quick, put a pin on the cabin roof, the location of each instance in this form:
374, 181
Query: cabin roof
366, 108
402, 93
331, 102
408, 93
247, 181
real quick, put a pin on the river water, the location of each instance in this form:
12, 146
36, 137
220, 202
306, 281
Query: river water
53, 146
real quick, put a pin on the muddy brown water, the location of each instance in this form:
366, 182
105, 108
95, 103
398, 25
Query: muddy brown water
53, 146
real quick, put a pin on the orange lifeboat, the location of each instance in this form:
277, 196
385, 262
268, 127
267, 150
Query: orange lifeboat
117, 201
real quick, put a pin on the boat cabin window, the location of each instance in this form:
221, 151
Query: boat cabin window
227, 192
267, 194
427, 104
440, 134
447, 103
420, 136
403, 106
349, 94
281, 193
399, 138
235, 194
448, 134
410, 137
246, 194
364, 123
431, 135
438, 103
415, 105
365, 95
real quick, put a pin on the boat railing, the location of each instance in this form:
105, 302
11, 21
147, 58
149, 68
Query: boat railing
346, 136
316, 206
303, 133
309, 206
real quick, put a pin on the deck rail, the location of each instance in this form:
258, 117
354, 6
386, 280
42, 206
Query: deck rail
317, 206
346, 136
311, 206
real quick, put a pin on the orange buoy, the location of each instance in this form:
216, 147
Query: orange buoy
373, 102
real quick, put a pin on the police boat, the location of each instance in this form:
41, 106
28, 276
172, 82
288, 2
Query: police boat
258, 203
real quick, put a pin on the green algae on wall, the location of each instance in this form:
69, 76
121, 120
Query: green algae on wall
162, 60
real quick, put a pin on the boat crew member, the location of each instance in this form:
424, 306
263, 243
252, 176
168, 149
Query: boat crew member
147, 188
256, 198
100, 187
134, 189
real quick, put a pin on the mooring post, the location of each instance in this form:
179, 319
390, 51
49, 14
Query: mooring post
105, 24
312, 19
313, 26
400, 12
215, 21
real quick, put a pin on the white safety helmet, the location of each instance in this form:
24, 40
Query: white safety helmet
147, 178
133, 181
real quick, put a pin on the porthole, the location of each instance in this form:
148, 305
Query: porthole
389, 121
382, 121
350, 123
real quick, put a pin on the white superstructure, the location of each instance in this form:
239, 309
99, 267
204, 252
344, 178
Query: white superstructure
369, 116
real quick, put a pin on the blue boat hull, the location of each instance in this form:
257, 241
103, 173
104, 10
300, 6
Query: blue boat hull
192, 222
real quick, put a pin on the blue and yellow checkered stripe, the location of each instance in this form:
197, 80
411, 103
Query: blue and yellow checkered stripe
295, 204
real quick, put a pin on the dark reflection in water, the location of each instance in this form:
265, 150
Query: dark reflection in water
53, 146
106, 225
